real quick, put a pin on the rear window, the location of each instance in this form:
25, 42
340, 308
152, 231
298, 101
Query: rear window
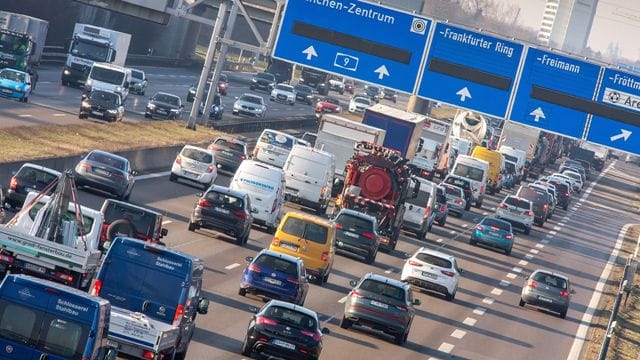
510, 158
502, 225
277, 264
519, 203
550, 280
35, 176
353, 222
453, 190
197, 155
532, 194
233, 146
458, 182
291, 317
563, 188
276, 139
306, 230
383, 289
469, 172
434, 260
510, 167
106, 160
421, 200
440, 197
143, 222
228, 201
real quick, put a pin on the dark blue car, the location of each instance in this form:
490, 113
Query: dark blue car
495, 233
275, 276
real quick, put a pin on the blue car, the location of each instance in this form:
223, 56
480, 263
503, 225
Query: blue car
495, 233
15, 84
273, 275
508, 181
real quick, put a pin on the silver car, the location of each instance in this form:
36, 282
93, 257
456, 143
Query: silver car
138, 82
455, 199
547, 290
518, 211
251, 105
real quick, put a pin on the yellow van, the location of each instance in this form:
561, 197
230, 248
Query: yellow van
310, 238
494, 158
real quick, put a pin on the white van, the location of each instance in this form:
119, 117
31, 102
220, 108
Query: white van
109, 77
419, 210
92, 220
477, 171
273, 147
265, 185
309, 176
517, 156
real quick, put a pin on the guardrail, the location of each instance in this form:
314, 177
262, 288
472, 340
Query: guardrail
257, 125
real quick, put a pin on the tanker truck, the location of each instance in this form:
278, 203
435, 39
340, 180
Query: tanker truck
469, 126
377, 183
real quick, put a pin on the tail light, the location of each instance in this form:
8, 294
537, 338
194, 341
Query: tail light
210, 168
545, 208
564, 293
458, 201
85, 165
356, 294
339, 227
479, 227
508, 236
256, 150
261, 320
566, 193
178, 159
443, 208
146, 354
97, 287
502, 206
275, 241
212, 147
532, 284
448, 273
312, 334
240, 214
294, 280
481, 188
325, 256
204, 203
64, 277
14, 183
529, 213
273, 207
415, 263
178, 315
368, 235
243, 157
495, 228
402, 308
255, 268
324, 189
117, 175
6, 258
427, 211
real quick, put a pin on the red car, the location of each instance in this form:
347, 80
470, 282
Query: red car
327, 106
349, 86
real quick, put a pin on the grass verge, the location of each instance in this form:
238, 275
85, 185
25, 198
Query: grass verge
36, 142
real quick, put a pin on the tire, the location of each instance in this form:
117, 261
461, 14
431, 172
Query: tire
246, 351
345, 323
371, 257
300, 302
521, 303
240, 240
128, 196
325, 278
400, 339
472, 241
450, 296
508, 251
565, 207
442, 221
467, 206
25, 99
478, 204
541, 223
242, 292
563, 314
121, 226
147, 116
192, 227
173, 177
142, 93
252, 87
527, 231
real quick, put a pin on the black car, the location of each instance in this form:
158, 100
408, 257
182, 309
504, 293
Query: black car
263, 81
304, 93
356, 234
100, 104
372, 92
125, 219
284, 331
217, 108
539, 199
106, 172
225, 210
164, 105
229, 152
389, 95
462, 183
442, 209
30, 177
563, 192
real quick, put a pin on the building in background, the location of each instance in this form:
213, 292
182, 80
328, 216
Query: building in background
566, 24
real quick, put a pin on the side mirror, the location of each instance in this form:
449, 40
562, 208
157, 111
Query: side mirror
417, 302
134, 173
254, 309
572, 291
353, 283
461, 271
203, 306
325, 331
249, 258
181, 106
199, 194
236, 98
164, 232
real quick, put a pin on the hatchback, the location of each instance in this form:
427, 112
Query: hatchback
30, 177
547, 290
225, 210
380, 303
356, 234
432, 270
195, 164
284, 331
495, 233
456, 202
107, 172
273, 275
517, 211
229, 152
464, 184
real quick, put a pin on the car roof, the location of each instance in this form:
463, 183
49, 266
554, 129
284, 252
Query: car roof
109, 154
386, 280
226, 190
164, 93
313, 218
279, 255
517, 198
160, 249
40, 167
357, 214
197, 148
130, 205
291, 306
437, 253
231, 139
550, 273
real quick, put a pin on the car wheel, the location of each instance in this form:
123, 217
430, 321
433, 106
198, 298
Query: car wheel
128, 196
246, 351
242, 292
371, 257
521, 303
25, 99
565, 207
192, 226
235, 113
422, 234
442, 221
450, 296
527, 231
142, 93
563, 314
541, 223
173, 177
400, 339
252, 87
508, 251
479, 204
300, 302
467, 206
325, 278
345, 323
240, 239
472, 241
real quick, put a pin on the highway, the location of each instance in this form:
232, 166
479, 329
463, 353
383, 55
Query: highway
483, 322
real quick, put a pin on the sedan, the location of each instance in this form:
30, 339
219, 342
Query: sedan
304, 93
547, 290
164, 105
495, 233
359, 104
432, 270
283, 93
389, 95
138, 82
372, 92
101, 104
107, 172
284, 331
251, 105
15, 84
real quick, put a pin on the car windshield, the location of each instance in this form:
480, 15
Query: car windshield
560, 186
284, 87
362, 101
266, 76
197, 155
225, 200
104, 96
90, 50
106, 75
510, 158
550, 280
519, 203
422, 200
107, 159
348, 221
223, 78
251, 99
384, 289
137, 74
273, 263
291, 317
469, 172
434, 260
277, 139
495, 223
12, 75
306, 230
168, 99
332, 101
302, 88
233, 146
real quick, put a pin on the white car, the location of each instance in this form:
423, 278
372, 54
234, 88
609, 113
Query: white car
359, 104
575, 185
195, 164
574, 175
251, 105
283, 93
518, 211
432, 270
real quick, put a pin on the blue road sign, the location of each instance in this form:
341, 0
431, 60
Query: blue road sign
470, 69
356, 39
616, 117
555, 93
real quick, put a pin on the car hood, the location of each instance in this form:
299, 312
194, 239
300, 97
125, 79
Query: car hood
136, 81
12, 84
247, 104
283, 92
164, 105
104, 104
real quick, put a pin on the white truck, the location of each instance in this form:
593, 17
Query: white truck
434, 151
91, 44
520, 137
339, 136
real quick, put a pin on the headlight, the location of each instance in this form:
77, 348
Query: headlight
118, 89
192, 92
338, 109
309, 96
151, 106
216, 108
66, 72
18, 87
254, 80
236, 107
112, 111
85, 104
272, 84
175, 111
259, 110
89, 82
291, 97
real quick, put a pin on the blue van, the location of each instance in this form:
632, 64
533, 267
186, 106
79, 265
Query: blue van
155, 296
40, 319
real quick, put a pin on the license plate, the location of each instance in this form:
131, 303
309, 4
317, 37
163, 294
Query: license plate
350, 234
284, 344
101, 172
227, 153
273, 281
35, 268
379, 304
221, 210
542, 298
189, 173
429, 275
289, 246
7, 91
97, 113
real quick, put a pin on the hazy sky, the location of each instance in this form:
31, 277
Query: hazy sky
616, 21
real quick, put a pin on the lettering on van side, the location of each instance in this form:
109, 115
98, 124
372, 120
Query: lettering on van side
256, 183
70, 308
167, 264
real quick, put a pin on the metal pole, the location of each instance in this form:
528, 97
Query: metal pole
612, 319
213, 89
217, 28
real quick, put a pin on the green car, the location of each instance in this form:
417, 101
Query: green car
495, 233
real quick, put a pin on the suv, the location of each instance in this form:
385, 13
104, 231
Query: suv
101, 104
563, 191
229, 152
30, 177
380, 302
539, 200
517, 211
432, 270
356, 234
223, 209
464, 184
195, 164
263, 81
122, 218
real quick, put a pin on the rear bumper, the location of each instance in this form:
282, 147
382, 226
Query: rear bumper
426, 284
366, 318
212, 223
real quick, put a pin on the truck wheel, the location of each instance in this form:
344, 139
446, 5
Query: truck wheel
120, 227
422, 234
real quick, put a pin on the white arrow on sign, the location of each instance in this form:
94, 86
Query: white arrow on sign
310, 52
624, 134
464, 94
382, 72
537, 114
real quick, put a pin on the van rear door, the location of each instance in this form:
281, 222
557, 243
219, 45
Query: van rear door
418, 209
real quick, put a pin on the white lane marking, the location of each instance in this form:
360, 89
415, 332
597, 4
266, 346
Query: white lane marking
496, 292
528, 256
534, 251
452, 232
445, 347
512, 275
343, 300
58, 115
544, 241
557, 228
488, 300
388, 271
539, 246
485, 213
166, 222
523, 262
479, 310
232, 266
635, 253
188, 243
549, 235
565, 218
25, 115
575, 208
552, 232
470, 321
562, 224
458, 334
465, 225
152, 176
493, 209
516, 269
505, 283
439, 240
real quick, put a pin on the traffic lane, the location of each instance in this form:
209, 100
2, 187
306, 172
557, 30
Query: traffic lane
578, 247
14, 113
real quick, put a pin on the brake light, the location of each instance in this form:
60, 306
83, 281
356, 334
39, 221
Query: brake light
339, 227
325, 256
545, 208
448, 273
256, 150
324, 189
243, 157
529, 213
368, 235
275, 241
204, 203
564, 293
458, 201
146, 354
495, 228
178, 159
481, 188
210, 168
503, 206
97, 287
273, 207
402, 308
240, 214
427, 211
14, 183
480, 228
532, 284
293, 280
6, 258
178, 315
64, 277
86, 166
415, 263
566, 193
255, 269
261, 320
443, 208
356, 294
311, 334
508, 236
